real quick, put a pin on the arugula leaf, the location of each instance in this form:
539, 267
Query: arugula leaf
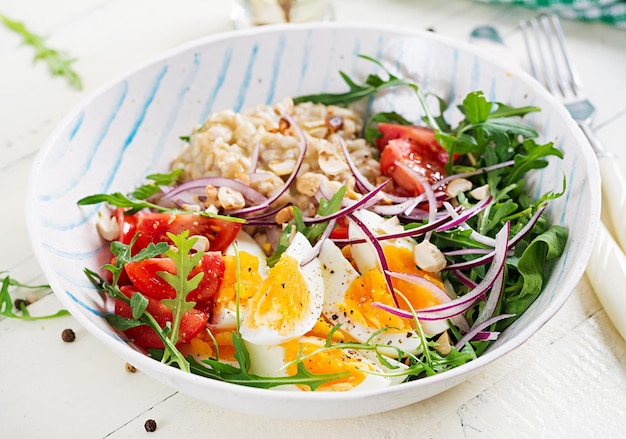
215, 369
185, 263
531, 265
372, 84
118, 199
58, 62
283, 243
147, 190
7, 304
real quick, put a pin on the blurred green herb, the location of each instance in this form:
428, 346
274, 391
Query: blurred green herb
7, 304
58, 62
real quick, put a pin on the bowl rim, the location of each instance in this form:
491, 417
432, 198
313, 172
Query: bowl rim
158, 370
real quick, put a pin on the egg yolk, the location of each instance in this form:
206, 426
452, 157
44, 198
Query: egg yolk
326, 362
283, 300
249, 280
371, 287
204, 346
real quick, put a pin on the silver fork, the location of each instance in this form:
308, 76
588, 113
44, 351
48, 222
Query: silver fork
550, 65
606, 269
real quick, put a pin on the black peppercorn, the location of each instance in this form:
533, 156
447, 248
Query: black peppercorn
150, 425
19, 302
68, 335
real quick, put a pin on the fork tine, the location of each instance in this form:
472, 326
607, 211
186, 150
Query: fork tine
550, 63
575, 81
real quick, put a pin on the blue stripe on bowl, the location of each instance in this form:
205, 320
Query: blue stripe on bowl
245, 82
82, 170
174, 113
278, 57
208, 107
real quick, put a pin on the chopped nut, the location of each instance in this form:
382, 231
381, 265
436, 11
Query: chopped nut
150, 425
428, 257
458, 185
202, 244
107, 227
350, 192
308, 183
68, 335
282, 167
334, 123
130, 368
443, 344
480, 193
191, 207
284, 215
230, 199
211, 196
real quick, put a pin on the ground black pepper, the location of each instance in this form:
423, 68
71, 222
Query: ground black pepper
150, 425
68, 335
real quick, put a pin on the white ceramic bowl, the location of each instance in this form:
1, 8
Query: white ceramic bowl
130, 128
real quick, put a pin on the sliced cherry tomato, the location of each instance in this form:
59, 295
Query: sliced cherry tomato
143, 275
341, 229
190, 325
415, 147
153, 227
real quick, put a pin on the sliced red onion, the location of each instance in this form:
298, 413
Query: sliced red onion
487, 282
410, 233
486, 336
185, 193
361, 181
254, 158
466, 214
347, 210
479, 328
469, 283
428, 191
379, 253
496, 289
512, 243
403, 208
478, 171
478, 237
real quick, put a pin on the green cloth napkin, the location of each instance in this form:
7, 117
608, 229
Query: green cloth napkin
612, 12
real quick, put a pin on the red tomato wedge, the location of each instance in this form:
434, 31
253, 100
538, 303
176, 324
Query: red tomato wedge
191, 324
415, 147
144, 277
153, 227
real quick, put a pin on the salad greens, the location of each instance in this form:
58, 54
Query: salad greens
58, 62
7, 304
491, 134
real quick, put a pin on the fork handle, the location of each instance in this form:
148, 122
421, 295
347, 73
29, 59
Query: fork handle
613, 184
606, 272
614, 191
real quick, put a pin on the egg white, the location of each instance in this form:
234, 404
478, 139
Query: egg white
364, 254
338, 276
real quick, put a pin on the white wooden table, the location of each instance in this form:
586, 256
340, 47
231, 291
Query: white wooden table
569, 380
